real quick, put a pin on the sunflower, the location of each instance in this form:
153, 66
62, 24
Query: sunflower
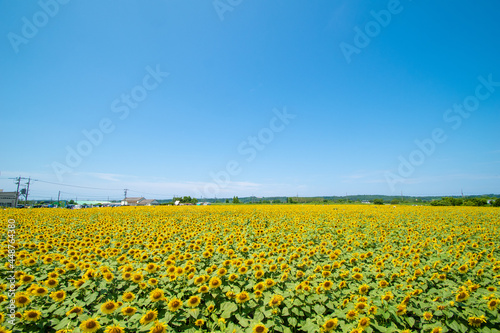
77, 283
259, 328
153, 281
462, 296
427, 316
128, 297
401, 310
203, 289
76, 309
25, 279
357, 276
363, 289
351, 315
32, 315
493, 304
259, 274
157, 295
383, 283
108, 277
128, 311
90, 325
137, 278
327, 285
259, 286
199, 280
211, 308
437, 330
114, 329
269, 283
477, 321
21, 300
159, 327
242, 297
174, 304
364, 323
193, 301
199, 322
109, 307
361, 306
330, 324
152, 267
276, 301
58, 296
214, 282
387, 297
148, 317
40, 291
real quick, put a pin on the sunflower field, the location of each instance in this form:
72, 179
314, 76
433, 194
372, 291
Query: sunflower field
251, 268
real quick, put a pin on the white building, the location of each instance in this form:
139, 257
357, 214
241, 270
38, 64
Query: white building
7, 199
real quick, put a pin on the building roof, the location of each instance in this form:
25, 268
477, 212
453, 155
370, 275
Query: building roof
147, 202
133, 199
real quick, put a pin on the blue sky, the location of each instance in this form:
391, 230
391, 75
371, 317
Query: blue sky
250, 97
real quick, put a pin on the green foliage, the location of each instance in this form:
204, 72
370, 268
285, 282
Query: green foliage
449, 201
185, 199
236, 200
378, 201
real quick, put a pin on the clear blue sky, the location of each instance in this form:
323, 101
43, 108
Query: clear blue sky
358, 102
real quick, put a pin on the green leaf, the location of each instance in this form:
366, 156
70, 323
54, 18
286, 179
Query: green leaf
91, 298
193, 313
62, 324
292, 321
319, 309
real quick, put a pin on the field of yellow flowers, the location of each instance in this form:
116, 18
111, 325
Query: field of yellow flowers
251, 268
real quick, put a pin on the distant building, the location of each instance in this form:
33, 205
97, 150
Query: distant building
148, 202
133, 201
139, 201
8, 199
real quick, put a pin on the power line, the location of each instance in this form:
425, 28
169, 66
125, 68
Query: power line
77, 186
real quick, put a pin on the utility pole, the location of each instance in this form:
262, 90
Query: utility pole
17, 191
58, 197
18, 182
125, 192
27, 192
401, 195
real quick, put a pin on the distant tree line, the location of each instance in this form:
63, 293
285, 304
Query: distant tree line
449, 201
185, 199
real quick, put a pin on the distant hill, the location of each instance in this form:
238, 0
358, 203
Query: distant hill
339, 199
